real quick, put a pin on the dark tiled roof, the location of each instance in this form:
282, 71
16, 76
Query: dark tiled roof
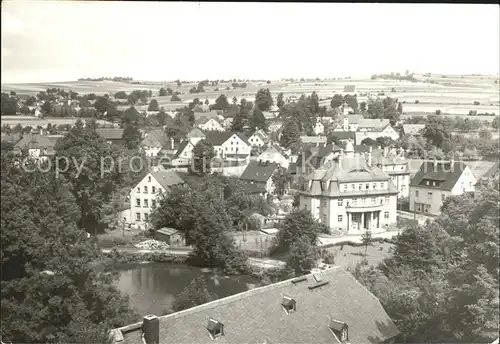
110, 134
259, 172
344, 135
257, 316
195, 132
217, 138
181, 148
155, 138
35, 141
319, 153
444, 172
167, 178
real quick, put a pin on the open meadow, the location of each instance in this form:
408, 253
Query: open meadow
453, 95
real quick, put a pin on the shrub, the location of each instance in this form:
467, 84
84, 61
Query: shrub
476, 102
329, 257
417, 101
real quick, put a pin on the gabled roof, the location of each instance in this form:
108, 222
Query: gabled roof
413, 129
110, 134
257, 316
195, 133
168, 231
155, 138
259, 172
351, 119
181, 148
261, 134
34, 140
492, 171
167, 178
343, 135
444, 172
217, 138
374, 123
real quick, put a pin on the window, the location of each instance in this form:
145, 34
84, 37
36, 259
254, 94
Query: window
138, 202
154, 189
427, 182
146, 203
381, 185
367, 186
340, 218
354, 201
416, 193
149, 179
339, 202
373, 200
360, 186
139, 190
145, 189
386, 200
353, 186
443, 196
429, 195
138, 216
374, 186
153, 203
386, 215
146, 217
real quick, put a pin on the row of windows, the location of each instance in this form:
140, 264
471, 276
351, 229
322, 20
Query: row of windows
146, 202
138, 216
360, 201
153, 189
340, 218
366, 186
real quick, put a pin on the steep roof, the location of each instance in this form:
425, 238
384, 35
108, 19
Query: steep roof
217, 138
155, 138
445, 173
261, 134
413, 129
258, 316
375, 123
318, 154
181, 148
195, 133
343, 135
259, 172
167, 178
34, 140
352, 119
110, 134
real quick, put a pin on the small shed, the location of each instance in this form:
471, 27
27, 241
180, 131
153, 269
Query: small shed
171, 236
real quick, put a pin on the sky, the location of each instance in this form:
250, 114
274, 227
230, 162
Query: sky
66, 40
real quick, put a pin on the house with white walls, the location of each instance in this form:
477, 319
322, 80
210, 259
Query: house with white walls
350, 194
259, 138
208, 124
154, 141
275, 154
144, 196
319, 128
437, 180
229, 146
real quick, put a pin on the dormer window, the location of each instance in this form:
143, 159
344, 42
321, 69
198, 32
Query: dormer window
289, 304
215, 328
340, 330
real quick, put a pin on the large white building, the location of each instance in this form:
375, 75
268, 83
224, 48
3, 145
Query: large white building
350, 194
437, 180
144, 196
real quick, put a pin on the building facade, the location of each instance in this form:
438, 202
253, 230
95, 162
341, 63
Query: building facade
437, 180
350, 195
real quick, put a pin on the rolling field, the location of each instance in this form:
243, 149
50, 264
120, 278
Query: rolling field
32, 121
454, 95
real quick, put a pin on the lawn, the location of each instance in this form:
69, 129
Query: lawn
348, 256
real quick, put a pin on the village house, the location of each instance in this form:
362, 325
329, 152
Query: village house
259, 138
38, 145
229, 146
394, 163
154, 141
319, 308
260, 174
437, 180
112, 136
171, 236
274, 125
195, 136
387, 131
144, 196
312, 157
319, 128
348, 122
276, 155
208, 124
344, 136
351, 194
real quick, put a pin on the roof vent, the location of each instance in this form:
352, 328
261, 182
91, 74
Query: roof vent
215, 328
298, 280
340, 330
317, 277
311, 287
289, 304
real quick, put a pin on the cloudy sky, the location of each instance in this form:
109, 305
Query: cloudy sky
66, 40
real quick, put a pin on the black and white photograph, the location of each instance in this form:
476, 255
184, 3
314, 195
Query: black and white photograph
249, 172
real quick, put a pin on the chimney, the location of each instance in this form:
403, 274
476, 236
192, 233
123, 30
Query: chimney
386, 149
340, 160
172, 143
435, 163
452, 161
151, 329
370, 156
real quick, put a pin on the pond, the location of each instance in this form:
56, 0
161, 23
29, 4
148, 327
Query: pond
152, 287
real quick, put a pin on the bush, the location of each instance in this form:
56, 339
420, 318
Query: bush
111, 242
417, 101
329, 258
476, 102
